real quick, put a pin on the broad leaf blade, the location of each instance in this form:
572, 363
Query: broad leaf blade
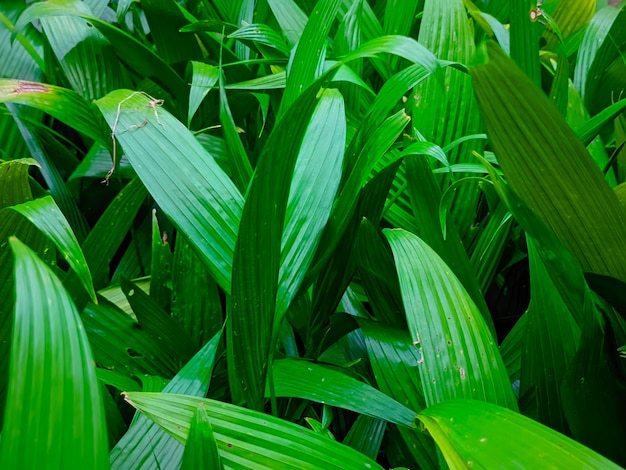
258, 253
145, 442
249, 439
51, 369
46, 216
482, 435
201, 447
61, 103
303, 379
460, 356
550, 168
182, 177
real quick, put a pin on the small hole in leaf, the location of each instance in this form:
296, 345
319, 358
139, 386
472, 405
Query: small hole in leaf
132, 353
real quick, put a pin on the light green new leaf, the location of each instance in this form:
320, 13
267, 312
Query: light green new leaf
46, 216
549, 168
54, 415
304, 379
460, 356
183, 178
250, 439
201, 447
476, 434
145, 443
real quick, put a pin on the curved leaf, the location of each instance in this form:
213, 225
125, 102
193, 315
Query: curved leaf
477, 434
144, 442
63, 104
249, 439
303, 379
183, 178
549, 168
460, 356
54, 415
46, 216
257, 257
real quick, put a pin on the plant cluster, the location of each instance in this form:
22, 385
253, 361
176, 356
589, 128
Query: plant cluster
312, 234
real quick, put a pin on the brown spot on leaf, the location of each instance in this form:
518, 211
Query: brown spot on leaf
30, 87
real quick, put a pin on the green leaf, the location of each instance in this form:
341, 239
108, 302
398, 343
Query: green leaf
14, 189
460, 356
201, 447
525, 39
46, 216
165, 18
290, 17
425, 199
310, 52
303, 379
257, 257
551, 340
86, 58
193, 191
196, 304
366, 435
395, 362
160, 266
549, 168
119, 343
314, 184
261, 34
65, 105
51, 175
378, 275
250, 439
51, 369
140, 58
145, 443
203, 77
473, 433
603, 39
592, 392
173, 341
240, 164
107, 235
399, 16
